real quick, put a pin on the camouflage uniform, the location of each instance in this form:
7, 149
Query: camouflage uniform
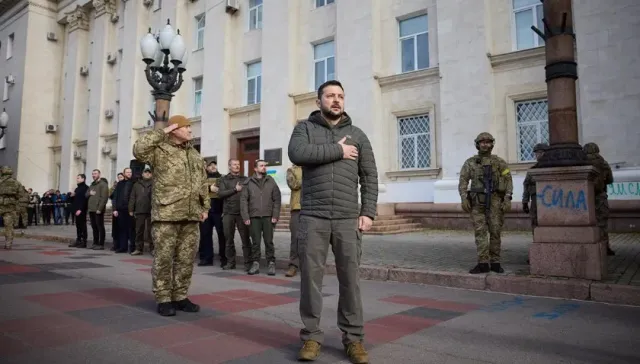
10, 190
473, 201
179, 197
23, 203
605, 177
294, 181
529, 193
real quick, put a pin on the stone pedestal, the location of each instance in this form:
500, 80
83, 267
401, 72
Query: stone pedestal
567, 241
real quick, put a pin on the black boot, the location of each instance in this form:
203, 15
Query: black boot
186, 305
166, 309
75, 244
480, 268
205, 263
610, 252
82, 244
495, 267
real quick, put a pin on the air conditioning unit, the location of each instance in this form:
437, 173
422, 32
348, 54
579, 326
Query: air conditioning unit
77, 155
84, 70
147, 3
232, 6
111, 58
193, 1
50, 128
106, 150
108, 113
10, 79
115, 18
52, 36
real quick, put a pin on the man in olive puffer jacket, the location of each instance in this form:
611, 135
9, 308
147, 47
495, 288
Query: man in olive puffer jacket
335, 156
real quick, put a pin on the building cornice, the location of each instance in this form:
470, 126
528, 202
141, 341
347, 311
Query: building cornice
307, 96
521, 58
243, 109
104, 7
110, 137
78, 19
80, 143
429, 75
416, 173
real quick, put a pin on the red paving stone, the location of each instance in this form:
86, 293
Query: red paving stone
207, 298
35, 323
68, 301
15, 269
119, 295
430, 303
403, 323
49, 337
146, 270
260, 279
274, 300
239, 294
11, 346
54, 253
218, 349
265, 332
166, 336
234, 306
138, 261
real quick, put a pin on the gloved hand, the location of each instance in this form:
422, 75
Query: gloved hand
466, 204
525, 207
506, 204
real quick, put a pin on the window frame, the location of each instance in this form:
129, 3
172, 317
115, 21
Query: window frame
257, 85
537, 42
415, 43
11, 39
157, 5
325, 3
258, 9
5, 90
199, 33
325, 60
196, 109
538, 124
400, 138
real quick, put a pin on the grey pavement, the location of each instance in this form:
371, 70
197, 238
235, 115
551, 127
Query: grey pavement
79, 306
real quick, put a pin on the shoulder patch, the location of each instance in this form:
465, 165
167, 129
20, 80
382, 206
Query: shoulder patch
506, 172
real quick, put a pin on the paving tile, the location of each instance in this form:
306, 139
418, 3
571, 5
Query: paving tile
118, 295
11, 346
208, 298
218, 349
120, 319
221, 274
431, 303
35, 323
430, 313
54, 253
234, 306
273, 300
172, 335
140, 261
240, 293
70, 265
296, 294
204, 313
70, 334
403, 323
80, 257
31, 277
14, 269
68, 301
146, 270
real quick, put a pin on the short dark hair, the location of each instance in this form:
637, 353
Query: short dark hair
255, 164
81, 175
120, 174
124, 170
328, 83
212, 162
97, 170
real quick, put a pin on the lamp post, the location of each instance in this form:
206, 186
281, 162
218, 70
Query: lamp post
157, 52
4, 122
561, 74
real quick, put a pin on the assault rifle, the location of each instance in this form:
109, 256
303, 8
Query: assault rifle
487, 178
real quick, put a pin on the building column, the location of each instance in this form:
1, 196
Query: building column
101, 82
134, 89
357, 58
277, 110
463, 41
74, 90
218, 84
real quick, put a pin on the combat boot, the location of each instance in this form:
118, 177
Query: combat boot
8, 245
82, 244
186, 305
310, 351
166, 309
480, 268
357, 353
230, 266
495, 267
75, 244
272, 269
255, 268
291, 272
136, 252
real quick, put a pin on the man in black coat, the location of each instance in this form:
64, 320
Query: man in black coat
213, 220
79, 209
121, 213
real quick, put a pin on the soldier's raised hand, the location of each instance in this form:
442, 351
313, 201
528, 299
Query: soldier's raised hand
348, 151
170, 128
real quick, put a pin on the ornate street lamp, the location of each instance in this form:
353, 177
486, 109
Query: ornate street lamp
157, 52
4, 122
561, 74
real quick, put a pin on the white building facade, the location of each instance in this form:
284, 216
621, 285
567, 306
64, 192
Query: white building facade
422, 78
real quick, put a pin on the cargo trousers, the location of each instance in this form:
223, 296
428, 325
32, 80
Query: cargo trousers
315, 235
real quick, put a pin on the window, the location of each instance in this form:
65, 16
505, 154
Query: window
414, 142
197, 96
200, 23
324, 63
255, 14
10, 42
157, 5
525, 14
5, 91
414, 43
532, 121
321, 3
254, 83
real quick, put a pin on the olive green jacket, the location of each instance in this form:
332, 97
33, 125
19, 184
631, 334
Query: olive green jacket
472, 171
180, 189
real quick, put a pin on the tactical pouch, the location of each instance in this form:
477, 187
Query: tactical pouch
481, 198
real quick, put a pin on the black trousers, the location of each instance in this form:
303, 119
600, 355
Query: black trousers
206, 238
124, 231
32, 214
81, 227
97, 225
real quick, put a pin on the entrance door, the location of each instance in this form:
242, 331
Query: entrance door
248, 152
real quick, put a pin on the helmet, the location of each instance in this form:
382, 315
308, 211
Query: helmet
484, 136
540, 147
591, 148
6, 170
